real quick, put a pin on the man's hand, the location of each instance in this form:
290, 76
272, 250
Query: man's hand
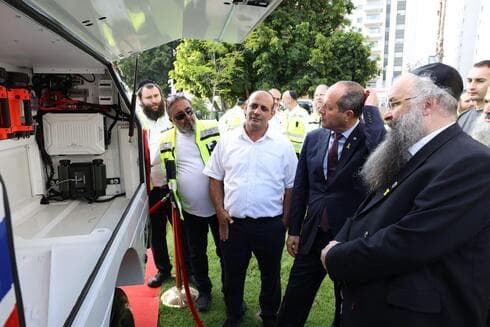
224, 219
292, 244
372, 98
325, 251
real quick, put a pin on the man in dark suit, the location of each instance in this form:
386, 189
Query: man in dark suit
328, 189
417, 251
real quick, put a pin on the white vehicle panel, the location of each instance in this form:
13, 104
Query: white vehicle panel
26, 43
53, 273
117, 28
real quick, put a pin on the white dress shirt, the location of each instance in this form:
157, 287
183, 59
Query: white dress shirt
255, 174
426, 139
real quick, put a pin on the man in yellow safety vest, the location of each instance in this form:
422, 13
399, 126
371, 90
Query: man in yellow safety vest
295, 120
184, 150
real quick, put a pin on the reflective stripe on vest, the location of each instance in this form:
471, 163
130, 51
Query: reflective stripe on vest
207, 136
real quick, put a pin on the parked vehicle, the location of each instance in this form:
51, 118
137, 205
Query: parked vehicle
306, 104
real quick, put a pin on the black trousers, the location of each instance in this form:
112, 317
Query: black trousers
264, 237
305, 279
158, 243
196, 230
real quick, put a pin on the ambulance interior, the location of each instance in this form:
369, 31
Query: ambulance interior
69, 167
71, 170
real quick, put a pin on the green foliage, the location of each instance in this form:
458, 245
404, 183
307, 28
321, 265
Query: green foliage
209, 68
200, 108
301, 44
282, 45
153, 64
342, 56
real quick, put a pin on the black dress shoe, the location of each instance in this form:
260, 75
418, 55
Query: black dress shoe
158, 279
243, 308
203, 302
266, 321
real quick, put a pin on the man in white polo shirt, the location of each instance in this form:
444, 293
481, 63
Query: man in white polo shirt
251, 179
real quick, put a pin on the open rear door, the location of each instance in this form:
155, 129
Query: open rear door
11, 310
115, 29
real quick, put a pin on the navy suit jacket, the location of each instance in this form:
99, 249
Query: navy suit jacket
342, 195
418, 253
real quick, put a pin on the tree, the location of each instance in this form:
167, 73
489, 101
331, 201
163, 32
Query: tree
356, 66
209, 68
286, 50
153, 64
301, 44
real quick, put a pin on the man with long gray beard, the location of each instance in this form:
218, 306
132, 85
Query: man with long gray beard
416, 251
481, 127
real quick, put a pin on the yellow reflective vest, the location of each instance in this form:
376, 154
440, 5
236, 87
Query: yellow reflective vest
295, 125
207, 135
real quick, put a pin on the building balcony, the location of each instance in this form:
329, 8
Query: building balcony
373, 8
374, 36
370, 23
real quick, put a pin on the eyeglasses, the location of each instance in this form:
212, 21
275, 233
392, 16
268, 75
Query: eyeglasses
394, 104
181, 115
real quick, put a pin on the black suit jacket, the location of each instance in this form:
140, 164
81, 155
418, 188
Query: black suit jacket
418, 253
342, 195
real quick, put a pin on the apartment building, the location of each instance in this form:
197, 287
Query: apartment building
403, 34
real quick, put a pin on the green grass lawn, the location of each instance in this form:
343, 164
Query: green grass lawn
321, 313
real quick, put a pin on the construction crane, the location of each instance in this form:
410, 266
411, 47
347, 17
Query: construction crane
440, 30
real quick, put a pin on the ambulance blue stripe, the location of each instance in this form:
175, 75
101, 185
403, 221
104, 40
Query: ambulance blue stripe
6, 266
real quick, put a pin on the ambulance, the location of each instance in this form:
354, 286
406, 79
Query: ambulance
73, 200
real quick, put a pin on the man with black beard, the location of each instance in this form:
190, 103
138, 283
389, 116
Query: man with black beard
416, 251
151, 115
481, 127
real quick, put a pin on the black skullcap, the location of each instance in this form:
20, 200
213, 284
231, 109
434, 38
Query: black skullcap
444, 76
293, 94
144, 82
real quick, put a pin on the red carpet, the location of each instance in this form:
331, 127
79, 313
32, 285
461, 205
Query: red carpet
143, 300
